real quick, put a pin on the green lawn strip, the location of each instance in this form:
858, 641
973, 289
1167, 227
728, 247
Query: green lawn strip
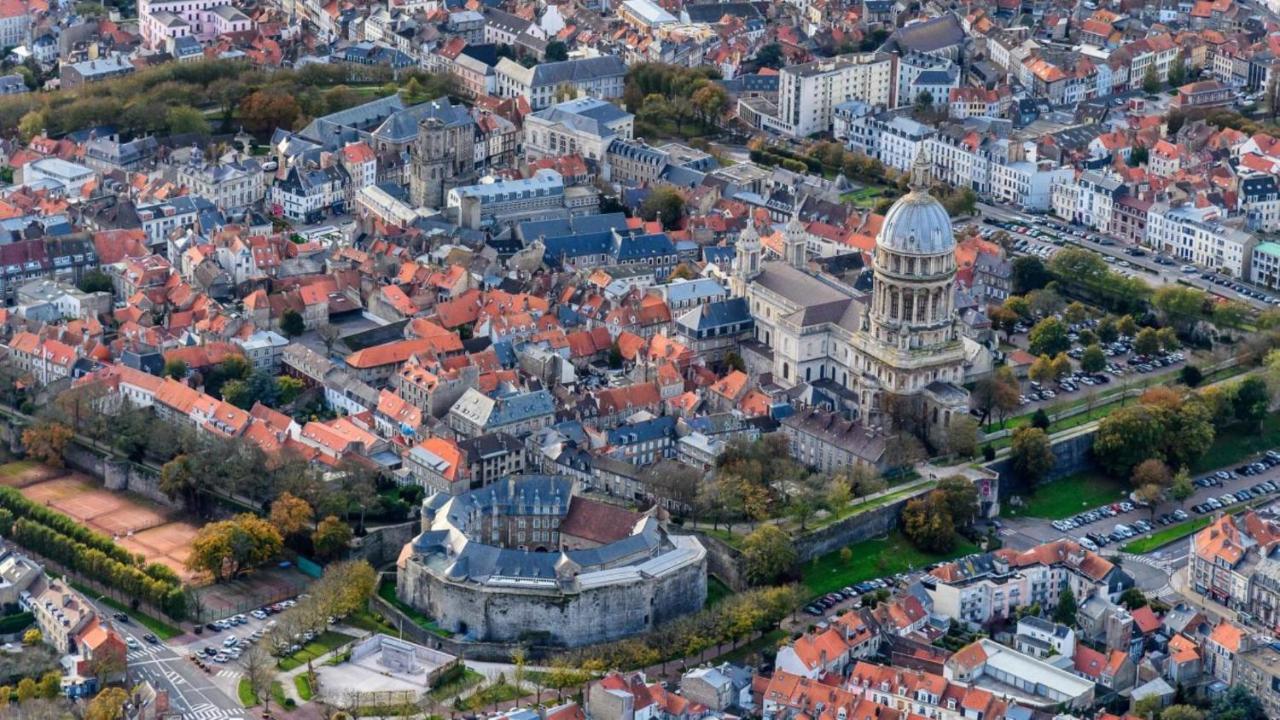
1183, 529
387, 591
768, 641
245, 691
161, 629
277, 693
455, 688
303, 684
1235, 443
716, 590
1069, 496
17, 467
491, 695
11, 624
365, 620
328, 641
1145, 545
873, 559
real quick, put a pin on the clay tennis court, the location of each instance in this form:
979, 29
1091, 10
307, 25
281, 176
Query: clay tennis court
25, 472
134, 523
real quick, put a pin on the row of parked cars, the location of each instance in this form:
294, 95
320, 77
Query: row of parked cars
1240, 289
831, 599
1092, 516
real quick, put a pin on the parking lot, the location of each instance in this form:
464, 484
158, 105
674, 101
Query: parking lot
1117, 523
225, 641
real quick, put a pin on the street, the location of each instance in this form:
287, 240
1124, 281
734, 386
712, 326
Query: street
1151, 271
191, 692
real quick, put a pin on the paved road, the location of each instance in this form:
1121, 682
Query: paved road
1155, 273
191, 692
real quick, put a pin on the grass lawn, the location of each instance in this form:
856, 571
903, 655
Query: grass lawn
162, 630
245, 691
716, 590
768, 641
1069, 495
371, 622
303, 684
868, 196
277, 693
16, 468
455, 688
1166, 536
872, 559
1234, 444
328, 641
387, 591
490, 695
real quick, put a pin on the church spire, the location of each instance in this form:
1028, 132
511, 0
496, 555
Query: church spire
921, 173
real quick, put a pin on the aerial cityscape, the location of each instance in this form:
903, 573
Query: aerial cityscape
639, 360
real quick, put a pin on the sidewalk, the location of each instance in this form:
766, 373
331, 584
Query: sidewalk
1179, 581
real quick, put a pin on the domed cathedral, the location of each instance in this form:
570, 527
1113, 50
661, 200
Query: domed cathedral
899, 339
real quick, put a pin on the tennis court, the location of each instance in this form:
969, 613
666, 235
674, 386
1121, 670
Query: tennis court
136, 524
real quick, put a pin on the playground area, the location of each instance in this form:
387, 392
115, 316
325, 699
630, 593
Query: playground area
136, 524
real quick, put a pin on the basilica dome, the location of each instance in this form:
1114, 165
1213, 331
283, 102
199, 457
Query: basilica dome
917, 224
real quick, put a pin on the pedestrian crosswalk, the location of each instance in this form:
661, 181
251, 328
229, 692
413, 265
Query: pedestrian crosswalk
228, 673
146, 652
208, 711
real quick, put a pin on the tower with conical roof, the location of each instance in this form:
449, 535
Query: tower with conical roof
746, 260
795, 242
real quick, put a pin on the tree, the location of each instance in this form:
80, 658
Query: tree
1045, 302
557, 51
184, 120
665, 203
1040, 419
31, 125
288, 388
1061, 366
1179, 306
997, 392
292, 324
1190, 375
769, 554
1106, 329
1128, 436
960, 496
50, 685
1250, 403
1127, 326
1182, 488
27, 690
928, 524
32, 637
1093, 360
962, 435
1065, 612
1147, 342
1237, 703
46, 441
260, 671
1150, 81
1181, 712
107, 705
1149, 495
265, 110
175, 368
1133, 598
1151, 472
770, 56
331, 537
329, 335
228, 547
864, 481
838, 493
1029, 273
95, 281
1018, 305
1178, 71
903, 450
1190, 432
924, 101
1049, 337
1075, 313
291, 514
1031, 454
1041, 369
